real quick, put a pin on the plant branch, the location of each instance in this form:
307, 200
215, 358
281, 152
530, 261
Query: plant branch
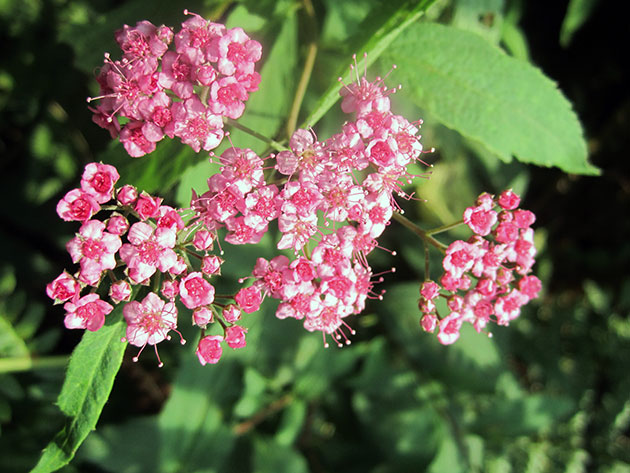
11, 365
426, 237
445, 228
261, 415
309, 63
272, 143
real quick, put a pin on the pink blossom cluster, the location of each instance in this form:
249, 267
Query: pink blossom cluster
333, 199
141, 243
487, 277
154, 92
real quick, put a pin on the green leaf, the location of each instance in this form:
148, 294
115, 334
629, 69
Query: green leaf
506, 104
267, 108
89, 380
506, 418
578, 12
385, 28
193, 432
275, 458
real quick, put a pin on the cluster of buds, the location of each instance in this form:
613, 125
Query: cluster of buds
334, 200
185, 93
157, 253
498, 258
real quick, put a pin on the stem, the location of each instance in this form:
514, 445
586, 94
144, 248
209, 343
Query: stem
445, 228
261, 415
426, 237
10, 365
274, 144
309, 62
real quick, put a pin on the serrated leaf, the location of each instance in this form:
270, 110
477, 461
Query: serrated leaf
509, 106
89, 380
387, 25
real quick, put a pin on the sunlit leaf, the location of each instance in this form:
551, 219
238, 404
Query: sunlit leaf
506, 104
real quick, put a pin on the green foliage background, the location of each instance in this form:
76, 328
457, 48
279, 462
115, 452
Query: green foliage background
551, 393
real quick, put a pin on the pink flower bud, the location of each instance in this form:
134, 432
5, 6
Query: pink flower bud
231, 313
249, 299
509, 200
118, 225
120, 291
147, 206
530, 286
506, 232
203, 240
209, 349
455, 303
211, 264
63, 288
430, 290
524, 218
195, 291
235, 336
202, 316
429, 322
127, 195
170, 289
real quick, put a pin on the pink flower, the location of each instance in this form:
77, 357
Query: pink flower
202, 316
136, 143
63, 288
196, 126
77, 205
120, 291
248, 299
429, 290
429, 322
449, 328
506, 232
127, 195
88, 312
95, 249
228, 97
231, 313
508, 200
170, 289
480, 219
530, 286
524, 218
98, 180
209, 349
117, 225
203, 240
211, 265
148, 206
236, 52
149, 321
195, 291
148, 250
235, 336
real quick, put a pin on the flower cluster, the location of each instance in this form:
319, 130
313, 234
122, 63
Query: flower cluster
157, 249
330, 201
335, 199
158, 92
491, 269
